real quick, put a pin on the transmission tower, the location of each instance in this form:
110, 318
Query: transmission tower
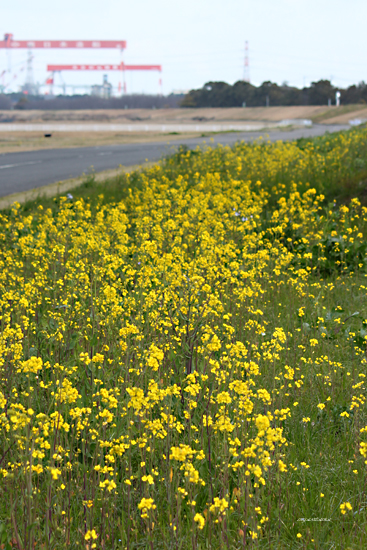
29, 85
246, 68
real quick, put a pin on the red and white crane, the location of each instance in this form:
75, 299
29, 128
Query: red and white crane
106, 67
9, 44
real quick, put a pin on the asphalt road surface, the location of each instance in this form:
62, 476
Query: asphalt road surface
28, 170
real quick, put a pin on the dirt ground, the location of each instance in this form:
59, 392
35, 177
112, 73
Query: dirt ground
271, 114
14, 141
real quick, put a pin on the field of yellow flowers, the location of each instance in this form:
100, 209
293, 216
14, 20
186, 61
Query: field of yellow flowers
183, 357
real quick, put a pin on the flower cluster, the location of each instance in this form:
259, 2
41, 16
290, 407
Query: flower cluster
150, 363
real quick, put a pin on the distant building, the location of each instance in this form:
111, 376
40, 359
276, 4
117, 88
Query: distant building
104, 91
179, 92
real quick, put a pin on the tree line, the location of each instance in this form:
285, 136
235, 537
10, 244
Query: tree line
49, 103
221, 94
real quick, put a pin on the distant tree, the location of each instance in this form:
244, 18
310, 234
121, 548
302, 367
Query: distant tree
132, 101
22, 103
243, 93
292, 96
221, 94
355, 94
320, 92
212, 94
5, 102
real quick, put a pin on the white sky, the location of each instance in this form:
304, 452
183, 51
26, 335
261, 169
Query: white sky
195, 41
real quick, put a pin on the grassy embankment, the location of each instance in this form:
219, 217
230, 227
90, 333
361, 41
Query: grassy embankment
183, 355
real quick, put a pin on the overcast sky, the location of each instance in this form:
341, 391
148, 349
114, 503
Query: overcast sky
195, 41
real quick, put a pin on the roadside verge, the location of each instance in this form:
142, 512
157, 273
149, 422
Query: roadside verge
60, 187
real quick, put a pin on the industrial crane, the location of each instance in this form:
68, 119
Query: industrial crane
9, 44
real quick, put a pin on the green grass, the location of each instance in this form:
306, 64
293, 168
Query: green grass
284, 269
333, 112
340, 179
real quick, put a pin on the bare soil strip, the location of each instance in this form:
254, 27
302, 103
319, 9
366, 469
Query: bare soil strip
178, 116
170, 124
14, 142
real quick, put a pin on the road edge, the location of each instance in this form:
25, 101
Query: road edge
60, 187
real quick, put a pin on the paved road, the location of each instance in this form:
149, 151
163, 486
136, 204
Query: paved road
28, 170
